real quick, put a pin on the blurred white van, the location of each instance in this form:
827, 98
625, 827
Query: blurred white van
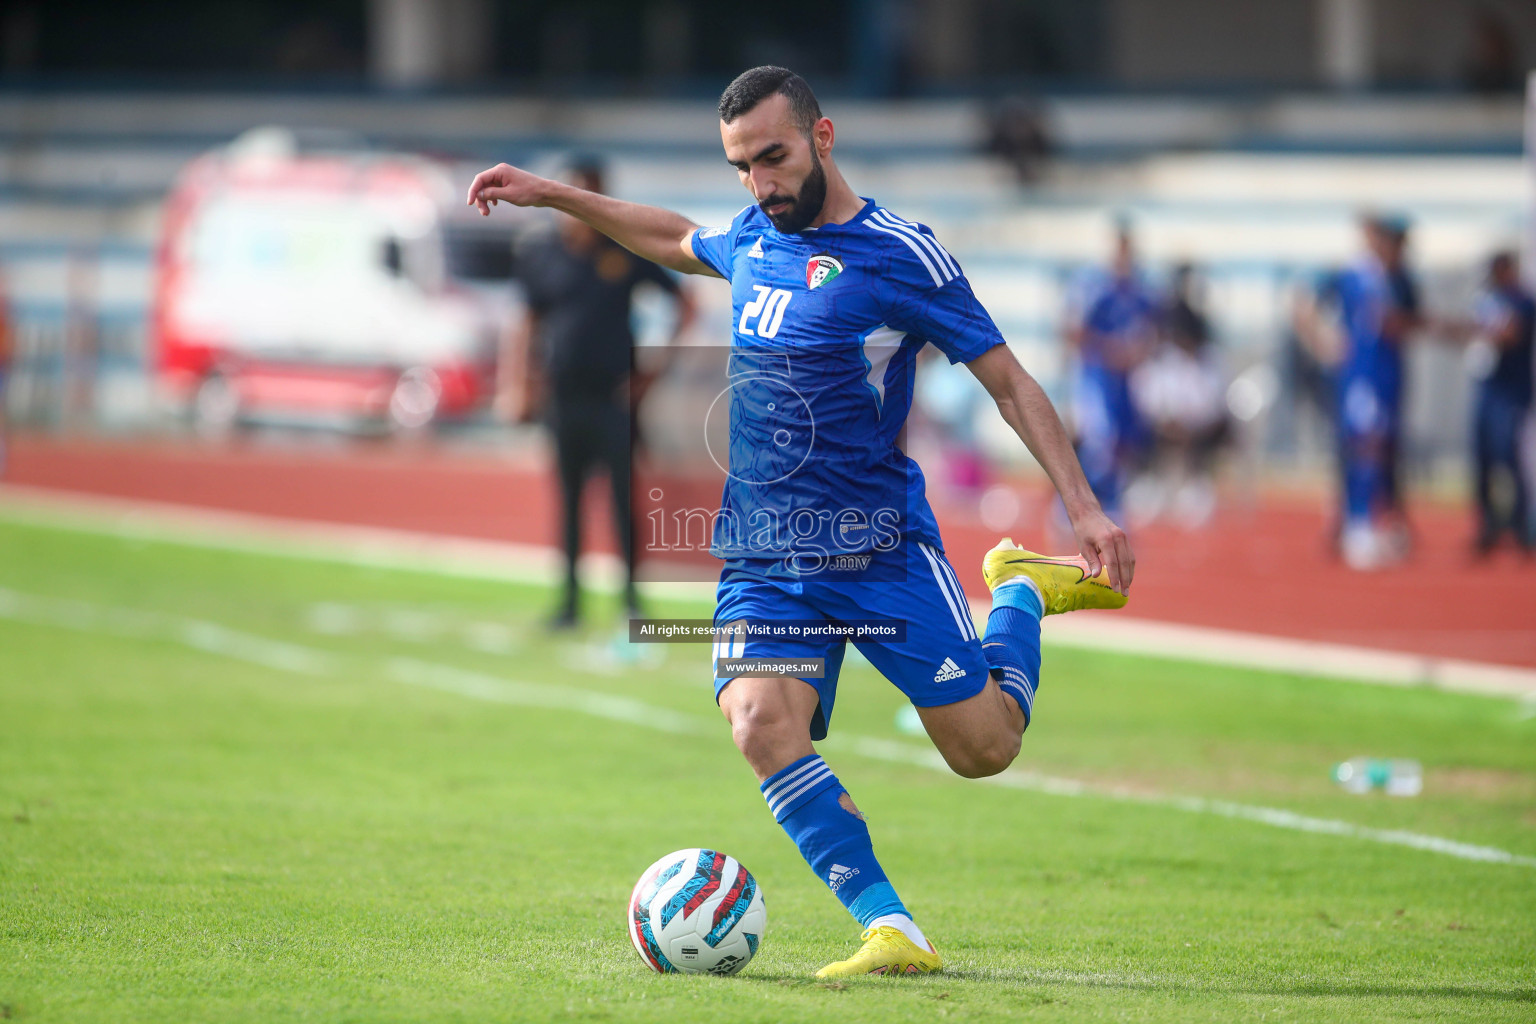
324, 283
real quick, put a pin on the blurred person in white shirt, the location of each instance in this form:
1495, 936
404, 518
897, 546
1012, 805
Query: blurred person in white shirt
1180, 391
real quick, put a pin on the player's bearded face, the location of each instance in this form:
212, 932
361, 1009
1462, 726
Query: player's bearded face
804, 205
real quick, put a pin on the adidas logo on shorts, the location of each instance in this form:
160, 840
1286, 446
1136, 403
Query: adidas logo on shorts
947, 671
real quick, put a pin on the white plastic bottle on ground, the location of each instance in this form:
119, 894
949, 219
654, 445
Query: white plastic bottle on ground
1395, 777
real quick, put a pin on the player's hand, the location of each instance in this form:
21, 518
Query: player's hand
508, 184
1104, 545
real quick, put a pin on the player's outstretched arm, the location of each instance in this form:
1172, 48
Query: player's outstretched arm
658, 235
1029, 412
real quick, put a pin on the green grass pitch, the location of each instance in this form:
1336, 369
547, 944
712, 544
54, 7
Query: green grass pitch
241, 787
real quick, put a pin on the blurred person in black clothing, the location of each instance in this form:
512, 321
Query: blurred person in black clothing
579, 286
1493, 65
1506, 320
1017, 133
1184, 320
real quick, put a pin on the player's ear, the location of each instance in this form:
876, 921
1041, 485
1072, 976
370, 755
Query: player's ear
821, 136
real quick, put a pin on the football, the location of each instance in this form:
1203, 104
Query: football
697, 912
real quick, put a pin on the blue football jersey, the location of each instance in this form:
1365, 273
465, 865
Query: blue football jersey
827, 324
1366, 293
1115, 312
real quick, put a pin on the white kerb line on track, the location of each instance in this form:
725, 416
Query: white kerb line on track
223, 641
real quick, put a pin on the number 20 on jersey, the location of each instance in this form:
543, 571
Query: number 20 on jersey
767, 309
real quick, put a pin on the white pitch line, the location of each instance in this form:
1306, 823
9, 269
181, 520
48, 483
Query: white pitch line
890, 750
1305, 823
216, 639
1281, 654
526, 563
480, 686
204, 636
483, 686
221, 640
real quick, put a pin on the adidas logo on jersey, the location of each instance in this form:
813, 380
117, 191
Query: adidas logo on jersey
947, 671
756, 252
838, 875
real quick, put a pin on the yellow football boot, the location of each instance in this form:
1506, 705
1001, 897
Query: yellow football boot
1064, 583
886, 950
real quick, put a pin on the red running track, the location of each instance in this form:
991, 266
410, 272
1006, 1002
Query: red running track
1261, 569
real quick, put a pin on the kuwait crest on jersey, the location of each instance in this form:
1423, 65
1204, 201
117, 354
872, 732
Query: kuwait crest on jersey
821, 269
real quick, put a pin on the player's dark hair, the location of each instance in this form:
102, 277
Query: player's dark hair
752, 87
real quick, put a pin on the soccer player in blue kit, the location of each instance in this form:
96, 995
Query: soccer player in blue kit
1379, 309
823, 517
1115, 334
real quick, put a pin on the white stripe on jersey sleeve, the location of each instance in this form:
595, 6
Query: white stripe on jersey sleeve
917, 250
931, 240
940, 254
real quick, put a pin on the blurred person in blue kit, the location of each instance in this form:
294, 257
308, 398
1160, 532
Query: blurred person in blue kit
1112, 333
1378, 309
1506, 321
576, 357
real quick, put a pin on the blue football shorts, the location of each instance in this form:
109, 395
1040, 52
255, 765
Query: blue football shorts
938, 661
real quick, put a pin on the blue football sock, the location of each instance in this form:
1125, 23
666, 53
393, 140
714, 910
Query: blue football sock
834, 841
1012, 642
